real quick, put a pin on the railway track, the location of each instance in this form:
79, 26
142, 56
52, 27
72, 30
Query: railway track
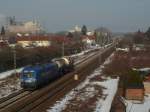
14, 98
11, 96
27, 100
84, 58
20, 94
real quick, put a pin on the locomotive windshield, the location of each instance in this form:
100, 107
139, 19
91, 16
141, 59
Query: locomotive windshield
28, 74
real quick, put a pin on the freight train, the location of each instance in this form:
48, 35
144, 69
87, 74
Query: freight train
33, 77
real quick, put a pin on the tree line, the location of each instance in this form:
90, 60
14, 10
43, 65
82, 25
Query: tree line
33, 56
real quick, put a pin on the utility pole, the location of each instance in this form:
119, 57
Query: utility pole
63, 48
14, 58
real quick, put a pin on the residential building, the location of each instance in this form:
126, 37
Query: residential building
88, 40
34, 41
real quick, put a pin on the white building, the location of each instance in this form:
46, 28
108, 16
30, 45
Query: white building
76, 29
34, 41
32, 27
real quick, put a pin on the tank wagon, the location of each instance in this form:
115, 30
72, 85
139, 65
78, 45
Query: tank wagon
64, 64
33, 77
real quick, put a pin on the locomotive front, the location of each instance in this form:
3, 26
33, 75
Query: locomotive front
28, 78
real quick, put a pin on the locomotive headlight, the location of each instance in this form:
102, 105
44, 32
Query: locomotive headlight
30, 80
33, 80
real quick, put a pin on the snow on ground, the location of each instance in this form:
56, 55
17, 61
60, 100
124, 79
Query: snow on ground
139, 107
60, 105
105, 105
81, 58
94, 94
85, 51
8, 73
9, 83
108, 60
9, 86
122, 49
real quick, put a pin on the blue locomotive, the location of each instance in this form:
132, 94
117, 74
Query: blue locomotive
36, 76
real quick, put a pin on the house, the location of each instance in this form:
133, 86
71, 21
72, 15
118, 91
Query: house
60, 39
3, 43
134, 91
33, 41
41, 40
88, 40
138, 47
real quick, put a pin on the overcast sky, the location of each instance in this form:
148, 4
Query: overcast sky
57, 15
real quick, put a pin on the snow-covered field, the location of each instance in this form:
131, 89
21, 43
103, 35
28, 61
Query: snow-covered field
94, 94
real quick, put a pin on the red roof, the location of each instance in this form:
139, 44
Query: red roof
44, 38
33, 38
89, 37
61, 39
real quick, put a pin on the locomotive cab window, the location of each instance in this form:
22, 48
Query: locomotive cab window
28, 74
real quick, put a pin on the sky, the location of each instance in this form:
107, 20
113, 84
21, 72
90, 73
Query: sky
59, 15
